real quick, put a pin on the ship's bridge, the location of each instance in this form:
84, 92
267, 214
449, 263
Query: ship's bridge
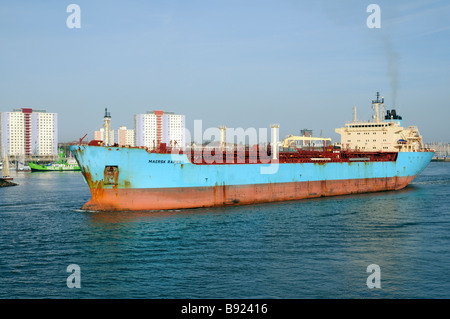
382, 134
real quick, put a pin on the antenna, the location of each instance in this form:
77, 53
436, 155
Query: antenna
377, 103
378, 100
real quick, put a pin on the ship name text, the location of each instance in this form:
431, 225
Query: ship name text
164, 162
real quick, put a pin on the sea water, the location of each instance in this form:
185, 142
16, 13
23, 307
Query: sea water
318, 248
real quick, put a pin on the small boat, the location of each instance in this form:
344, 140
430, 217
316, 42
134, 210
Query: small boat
62, 165
5, 170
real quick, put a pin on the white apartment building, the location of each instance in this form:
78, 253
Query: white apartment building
100, 136
125, 137
28, 132
157, 127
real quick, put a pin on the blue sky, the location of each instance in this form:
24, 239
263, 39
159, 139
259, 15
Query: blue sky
302, 64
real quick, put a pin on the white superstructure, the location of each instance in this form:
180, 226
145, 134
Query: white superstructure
385, 134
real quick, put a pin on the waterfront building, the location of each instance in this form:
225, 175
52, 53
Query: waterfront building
26, 133
156, 127
100, 136
125, 137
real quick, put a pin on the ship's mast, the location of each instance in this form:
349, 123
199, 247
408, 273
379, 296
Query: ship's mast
222, 129
107, 119
377, 104
274, 141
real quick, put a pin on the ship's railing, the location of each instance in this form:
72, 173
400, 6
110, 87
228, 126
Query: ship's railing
426, 150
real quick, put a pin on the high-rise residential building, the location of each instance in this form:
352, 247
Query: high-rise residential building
125, 137
27, 132
100, 136
157, 127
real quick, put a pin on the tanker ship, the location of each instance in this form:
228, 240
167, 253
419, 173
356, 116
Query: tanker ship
372, 156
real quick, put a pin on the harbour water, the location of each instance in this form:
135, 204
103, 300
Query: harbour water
318, 248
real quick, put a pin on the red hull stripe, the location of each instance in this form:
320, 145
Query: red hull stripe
191, 197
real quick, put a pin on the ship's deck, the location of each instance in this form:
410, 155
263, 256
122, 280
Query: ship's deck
263, 155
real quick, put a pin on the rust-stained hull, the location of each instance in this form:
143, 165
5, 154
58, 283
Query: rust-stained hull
191, 197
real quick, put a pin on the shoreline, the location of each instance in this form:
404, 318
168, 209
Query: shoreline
6, 183
441, 159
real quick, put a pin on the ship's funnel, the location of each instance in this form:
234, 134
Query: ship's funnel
391, 115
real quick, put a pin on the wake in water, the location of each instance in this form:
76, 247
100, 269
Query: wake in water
439, 181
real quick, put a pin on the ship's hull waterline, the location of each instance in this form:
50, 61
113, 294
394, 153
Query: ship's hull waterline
127, 179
